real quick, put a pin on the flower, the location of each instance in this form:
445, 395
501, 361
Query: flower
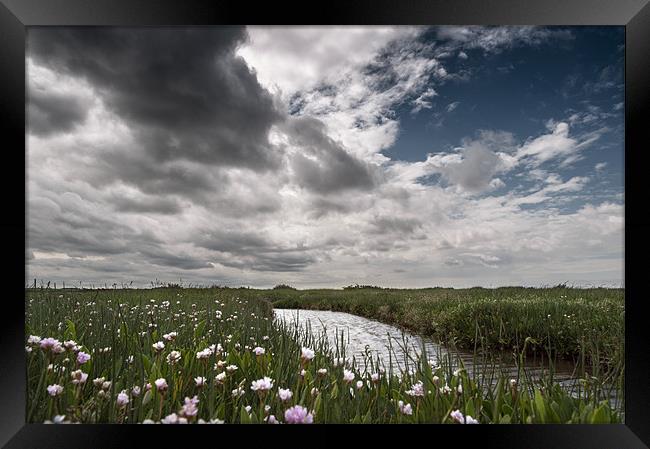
158, 346
460, 389
106, 385
219, 378
374, 377
70, 344
416, 390
307, 354
204, 354
173, 357
161, 384
49, 343
513, 382
457, 415
436, 379
405, 409
445, 389
348, 376
190, 408
200, 381
231, 368
170, 336
359, 384
285, 395
322, 372
54, 390
34, 340
259, 351
78, 377
314, 391
98, 381
272, 420
173, 419
135, 391
122, 399
298, 415
238, 392
262, 385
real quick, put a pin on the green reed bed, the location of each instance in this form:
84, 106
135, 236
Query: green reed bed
217, 355
583, 325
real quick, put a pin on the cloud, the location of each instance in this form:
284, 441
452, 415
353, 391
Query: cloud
185, 94
452, 106
497, 39
322, 165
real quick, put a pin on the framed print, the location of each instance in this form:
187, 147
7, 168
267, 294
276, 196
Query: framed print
363, 216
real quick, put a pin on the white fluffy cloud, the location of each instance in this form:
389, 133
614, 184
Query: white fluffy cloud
326, 208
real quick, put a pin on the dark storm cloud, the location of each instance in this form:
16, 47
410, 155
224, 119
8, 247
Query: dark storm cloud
184, 92
397, 225
166, 206
325, 167
247, 250
50, 113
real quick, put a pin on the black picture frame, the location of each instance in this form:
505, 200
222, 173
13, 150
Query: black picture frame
16, 15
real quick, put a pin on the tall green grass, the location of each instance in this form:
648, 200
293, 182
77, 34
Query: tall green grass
118, 328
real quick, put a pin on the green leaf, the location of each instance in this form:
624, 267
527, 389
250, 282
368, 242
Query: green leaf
147, 398
335, 391
600, 415
146, 362
368, 418
540, 407
70, 331
244, 417
505, 419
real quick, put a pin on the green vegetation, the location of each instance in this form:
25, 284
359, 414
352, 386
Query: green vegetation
216, 355
585, 325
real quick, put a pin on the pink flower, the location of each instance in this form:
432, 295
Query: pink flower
457, 415
190, 408
298, 415
405, 409
54, 390
161, 384
348, 376
122, 399
285, 395
82, 357
259, 351
307, 354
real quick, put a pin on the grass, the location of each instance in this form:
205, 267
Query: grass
583, 325
118, 329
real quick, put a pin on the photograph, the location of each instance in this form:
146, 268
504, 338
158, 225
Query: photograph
341, 224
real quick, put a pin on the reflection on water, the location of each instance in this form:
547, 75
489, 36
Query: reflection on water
398, 349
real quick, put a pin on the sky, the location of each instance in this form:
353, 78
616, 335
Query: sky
326, 156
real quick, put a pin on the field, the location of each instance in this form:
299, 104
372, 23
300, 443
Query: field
216, 356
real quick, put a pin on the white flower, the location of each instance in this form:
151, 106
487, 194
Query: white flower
348, 376
359, 384
322, 372
259, 351
374, 377
460, 389
170, 336
238, 392
272, 420
231, 368
173, 357
199, 381
285, 395
106, 385
135, 391
98, 381
220, 378
307, 354
173, 419
34, 340
264, 384
445, 389
457, 415
158, 346
161, 384
204, 354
